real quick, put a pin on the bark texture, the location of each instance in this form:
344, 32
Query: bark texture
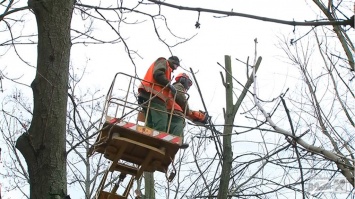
44, 145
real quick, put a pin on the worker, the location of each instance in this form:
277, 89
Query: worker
156, 87
153, 94
180, 107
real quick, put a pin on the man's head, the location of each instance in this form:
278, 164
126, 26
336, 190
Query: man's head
184, 79
174, 62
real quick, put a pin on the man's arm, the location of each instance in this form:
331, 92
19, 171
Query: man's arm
181, 98
159, 70
183, 103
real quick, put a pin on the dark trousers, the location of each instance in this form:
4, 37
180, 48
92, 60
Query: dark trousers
177, 125
157, 117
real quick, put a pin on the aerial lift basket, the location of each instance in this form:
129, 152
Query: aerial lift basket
132, 147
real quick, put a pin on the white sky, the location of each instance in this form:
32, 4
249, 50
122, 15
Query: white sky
217, 37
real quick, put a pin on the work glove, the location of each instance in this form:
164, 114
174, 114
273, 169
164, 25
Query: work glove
172, 89
199, 116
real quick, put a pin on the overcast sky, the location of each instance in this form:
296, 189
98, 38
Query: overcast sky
215, 38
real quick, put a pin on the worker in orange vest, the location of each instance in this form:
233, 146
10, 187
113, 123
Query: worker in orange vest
180, 107
154, 90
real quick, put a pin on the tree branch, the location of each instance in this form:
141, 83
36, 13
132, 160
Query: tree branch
343, 22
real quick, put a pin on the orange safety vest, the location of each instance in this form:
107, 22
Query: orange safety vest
172, 104
150, 85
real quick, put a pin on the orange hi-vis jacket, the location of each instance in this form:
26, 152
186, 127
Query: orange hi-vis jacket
172, 104
150, 85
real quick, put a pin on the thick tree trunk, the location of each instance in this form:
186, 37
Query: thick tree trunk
43, 146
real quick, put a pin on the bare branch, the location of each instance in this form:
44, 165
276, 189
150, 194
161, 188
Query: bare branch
292, 23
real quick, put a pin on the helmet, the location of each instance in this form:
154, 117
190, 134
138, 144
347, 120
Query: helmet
184, 79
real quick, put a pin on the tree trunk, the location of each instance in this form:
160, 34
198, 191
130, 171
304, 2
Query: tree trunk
229, 116
227, 131
44, 146
149, 192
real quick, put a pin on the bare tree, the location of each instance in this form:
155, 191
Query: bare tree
313, 119
83, 115
304, 156
229, 115
330, 97
333, 10
43, 145
226, 172
12, 125
81, 126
